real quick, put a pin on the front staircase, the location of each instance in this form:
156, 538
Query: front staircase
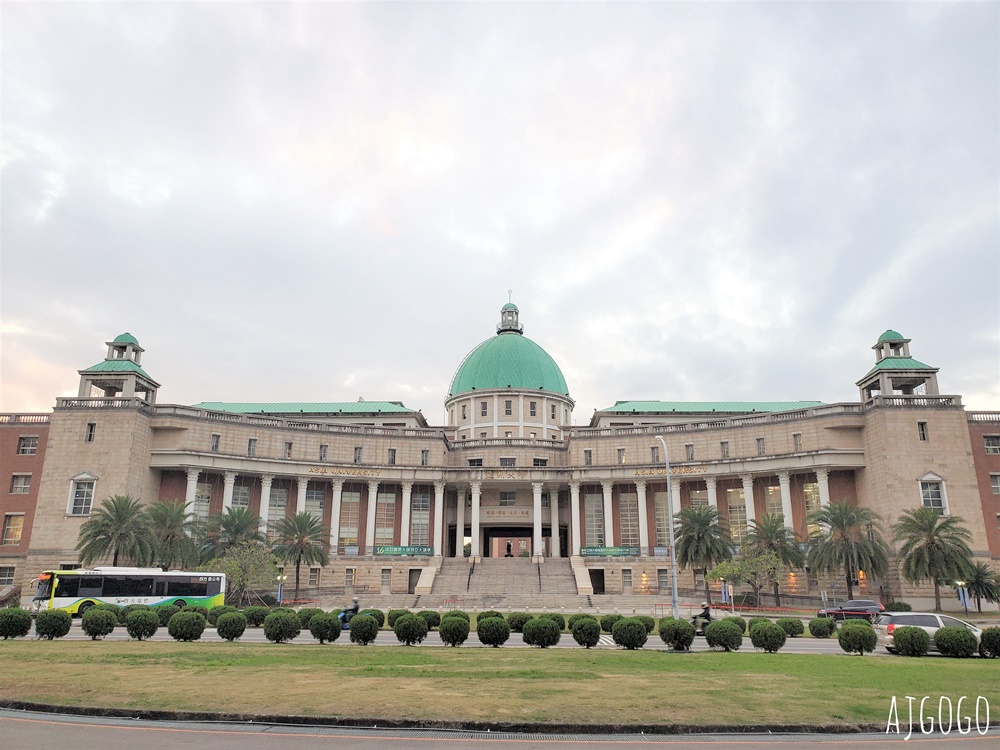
504, 583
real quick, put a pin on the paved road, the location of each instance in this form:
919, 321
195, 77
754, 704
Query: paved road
30, 731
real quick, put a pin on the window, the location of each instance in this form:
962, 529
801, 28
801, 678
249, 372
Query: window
81, 497
241, 496
540, 462
20, 484
593, 510
482, 435
27, 446
628, 504
992, 443
425, 457
314, 576
689, 452
6, 575
532, 406
588, 458
761, 450
654, 454
463, 411
288, 450
252, 447
277, 508
91, 432
315, 500
350, 514
737, 513
508, 434
323, 450
507, 463
508, 407
533, 435
420, 519
482, 408
475, 462
13, 525
724, 449
810, 491
215, 443
626, 578
202, 500
357, 455
772, 500
546, 500
507, 499
699, 498
995, 482
796, 441
663, 579
349, 576
621, 455
385, 517
553, 411
922, 431
660, 500
391, 458
932, 494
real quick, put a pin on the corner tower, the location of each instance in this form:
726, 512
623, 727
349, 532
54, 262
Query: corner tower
119, 375
895, 372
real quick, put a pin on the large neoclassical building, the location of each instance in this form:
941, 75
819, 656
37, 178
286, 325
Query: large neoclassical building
507, 476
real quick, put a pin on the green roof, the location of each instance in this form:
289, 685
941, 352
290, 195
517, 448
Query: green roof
508, 360
891, 335
117, 365
899, 363
697, 407
508, 306
345, 407
125, 338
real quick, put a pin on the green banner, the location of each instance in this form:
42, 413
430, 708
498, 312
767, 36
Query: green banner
415, 551
610, 551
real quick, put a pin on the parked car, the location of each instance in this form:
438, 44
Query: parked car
929, 622
855, 609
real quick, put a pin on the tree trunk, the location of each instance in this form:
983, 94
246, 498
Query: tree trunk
114, 558
298, 564
850, 588
979, 604
937, 596
708, 590
777, 595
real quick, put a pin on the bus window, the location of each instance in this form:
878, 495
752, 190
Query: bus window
161, 588
68, 586
44, 588
125, 586
91, 585
188, 588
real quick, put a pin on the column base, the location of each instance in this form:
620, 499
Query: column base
537, 559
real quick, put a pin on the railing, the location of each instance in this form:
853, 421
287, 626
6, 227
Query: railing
104, 403
984, 416
507, 443
911, 401
24, 418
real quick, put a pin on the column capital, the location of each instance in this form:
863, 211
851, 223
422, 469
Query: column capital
640, 486
746, 478
711, 482
607, 485
192, 474
784, 477
475, 486
229, 477
574, 486
338, 485
822, 474
373, 485
439, 485
538, 486
267, 478
407, 485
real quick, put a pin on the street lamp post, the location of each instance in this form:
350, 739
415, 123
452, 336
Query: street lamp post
281, 584
670, 531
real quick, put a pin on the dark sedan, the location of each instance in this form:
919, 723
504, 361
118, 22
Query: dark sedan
855, 609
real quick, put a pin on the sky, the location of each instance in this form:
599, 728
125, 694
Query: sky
330, 201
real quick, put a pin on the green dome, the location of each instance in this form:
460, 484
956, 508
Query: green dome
125, 338
508, 360
890, 335
509, 306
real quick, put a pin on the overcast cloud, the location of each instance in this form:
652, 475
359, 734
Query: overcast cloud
316, 202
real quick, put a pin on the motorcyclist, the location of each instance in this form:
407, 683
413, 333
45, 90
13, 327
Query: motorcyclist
702, 619
348, 612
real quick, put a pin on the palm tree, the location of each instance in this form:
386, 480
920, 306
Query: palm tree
983, 583
232, 528
173, 534
302, 538
848, 541
702, 541
770, 533
120, 529
935, 546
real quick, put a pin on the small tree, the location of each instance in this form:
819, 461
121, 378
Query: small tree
301, 539
119, 528
769, 533
934, 546
848, 541
982, 582
754, 567
249, 569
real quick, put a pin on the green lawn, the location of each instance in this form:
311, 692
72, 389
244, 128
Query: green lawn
559, 686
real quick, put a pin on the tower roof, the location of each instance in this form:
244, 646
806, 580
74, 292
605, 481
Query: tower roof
890, 335
125, 338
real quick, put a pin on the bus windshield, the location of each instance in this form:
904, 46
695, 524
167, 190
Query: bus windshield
44, 588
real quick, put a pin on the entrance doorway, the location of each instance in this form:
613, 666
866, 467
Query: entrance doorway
497, 538
597, 581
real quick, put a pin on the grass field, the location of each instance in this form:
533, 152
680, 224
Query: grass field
557, 686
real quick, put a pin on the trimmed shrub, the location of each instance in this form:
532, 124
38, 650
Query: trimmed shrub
898, 607
216, 612
574, 619
769, 636
432, 618
186, 626
410, 629
306, 614
754, 621
395, 614
792, 626
955, 641
377, 614
586, 631
99, 622
493, 631
255, 616
165, 612
516, 621
52, 623
14, 622
910, 641
647, 622
822, 627
282, 626
231, 625
738, 621
678, 634
128, 609
203, 611
630, 633
487, 614
989, 643
557, 618
112, 608
857, 636
541, 632
458, 613
724, 634
142, 623
325, 627
608, 622
364, 629
454, 630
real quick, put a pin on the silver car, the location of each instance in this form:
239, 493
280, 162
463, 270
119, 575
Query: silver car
926, 621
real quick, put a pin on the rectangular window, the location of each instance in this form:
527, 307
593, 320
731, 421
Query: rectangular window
810, 492
922, 431
772, 500
288, 450
737, 513
593, 509
91, 432
385, 518
995, 482
350, 515
6, 575
796, 441
507, 499
508, 463
420, 519
588, 458
992, 443
241, 496
508, 408
482, 435
475, 462
315, 500
628, 506
20, 484
654, 454
276, 509
425, 457
660, 500
724, 449
323, 450
540, 462
391, 457
314, 576
13, 525
83, 498
532, 406
482, 408
350, 575
27, 446
663, 579
202, 500
357, 455
699, 498
689, 452
553, 411
621, 455
214, 446
251, 447
626, 578
932, 495
463, 411
546, 500
761, 450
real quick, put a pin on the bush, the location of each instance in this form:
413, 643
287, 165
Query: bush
822, 627
112, 608
128, 609
142, 623
454, 630
306, 614
724, 634
99, 622
586, 631
377, 614
792, 626
911, 641
231, 625
516, 621
989, 643
410, 629
458, 613
769, 636
574, 619
898, 607
255, 616
165, 612
557, 618
754, 621
325, 627
608, 622
738, 622
493, 631
432, 618
186, 626
857, 636
678, 634
955, 641
216, 612
541, 632
630, 633
746, 599
486, 615
395, 614
647, 622
364, 629
282, 626
203, 611
52, 623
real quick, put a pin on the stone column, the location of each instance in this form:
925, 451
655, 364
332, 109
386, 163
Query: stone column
191, 490
554, 509
438, 538
404, 522
265, 500
609, 521
574, 517
537, 545
675, 497
748, 497
475, 553
370, 525
713, 495
460, 524
301, 483
229, 481
823, 479
784, 482
640, 491
338, 493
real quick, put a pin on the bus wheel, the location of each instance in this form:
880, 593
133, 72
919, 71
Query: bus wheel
84, 607
180, 603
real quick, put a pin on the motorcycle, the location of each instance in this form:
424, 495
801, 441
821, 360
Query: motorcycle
699, 624
345, 617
